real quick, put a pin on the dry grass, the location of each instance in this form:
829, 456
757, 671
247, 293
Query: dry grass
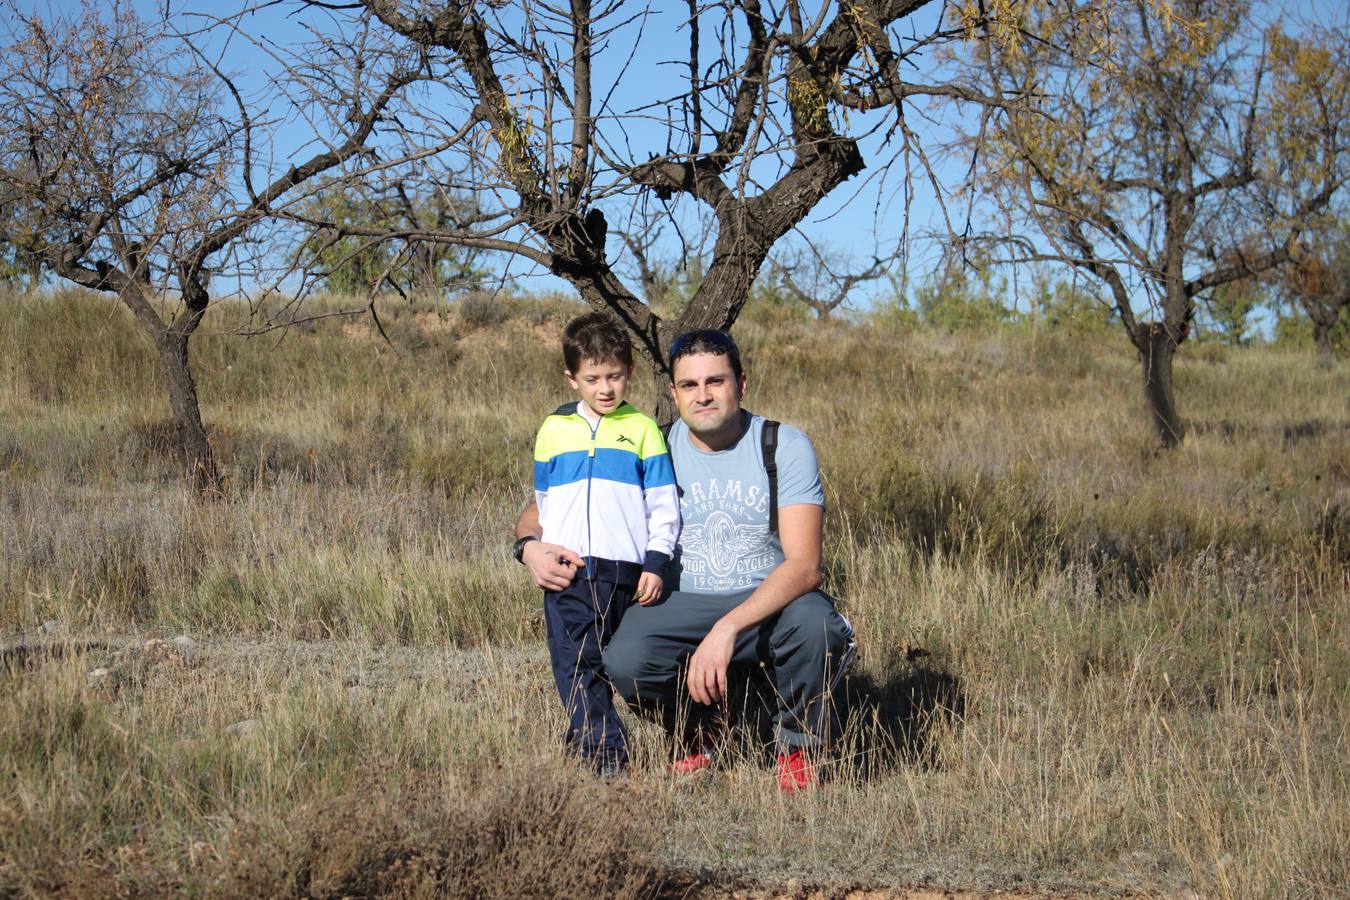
1085, 666
369, 773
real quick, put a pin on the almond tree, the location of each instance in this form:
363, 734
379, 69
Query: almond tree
130, 164
759, 112
1192, 154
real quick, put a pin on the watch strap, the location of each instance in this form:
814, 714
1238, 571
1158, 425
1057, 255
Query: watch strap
518, 551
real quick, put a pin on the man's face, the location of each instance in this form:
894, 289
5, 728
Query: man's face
707, 393
600, 383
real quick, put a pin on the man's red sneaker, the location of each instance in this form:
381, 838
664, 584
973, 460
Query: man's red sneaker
701, 752
795, 772
694, 762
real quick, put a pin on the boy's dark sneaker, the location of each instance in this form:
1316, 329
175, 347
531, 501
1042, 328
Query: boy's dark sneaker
795, 772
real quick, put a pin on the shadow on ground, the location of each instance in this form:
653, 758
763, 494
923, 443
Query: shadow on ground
879, 725
889, 723
25, 657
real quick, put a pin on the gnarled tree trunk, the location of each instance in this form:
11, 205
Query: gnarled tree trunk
1324, 317
1322, 340
193, 444
1157, 348
171, 341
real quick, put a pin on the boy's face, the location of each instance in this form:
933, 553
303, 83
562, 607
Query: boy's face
600, 383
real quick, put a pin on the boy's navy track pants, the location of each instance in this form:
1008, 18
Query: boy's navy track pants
579, 621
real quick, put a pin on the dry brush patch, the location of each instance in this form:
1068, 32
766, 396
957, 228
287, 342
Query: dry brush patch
361, 772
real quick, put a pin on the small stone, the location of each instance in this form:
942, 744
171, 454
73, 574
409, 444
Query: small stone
245, 729
175, 652
198, 851
99, 674
51, 626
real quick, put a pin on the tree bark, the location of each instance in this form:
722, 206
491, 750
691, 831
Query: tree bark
171, 340
1322, 339
194, 447
1324, 316
1157, 349
665, 411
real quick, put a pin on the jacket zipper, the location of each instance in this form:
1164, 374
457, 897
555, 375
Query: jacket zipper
590, 469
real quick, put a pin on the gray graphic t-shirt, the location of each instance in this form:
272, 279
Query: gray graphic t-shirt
725, 546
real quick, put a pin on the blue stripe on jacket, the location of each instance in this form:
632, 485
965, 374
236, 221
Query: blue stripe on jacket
622, 466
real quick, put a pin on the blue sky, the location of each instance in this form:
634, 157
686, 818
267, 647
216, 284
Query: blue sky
862, 217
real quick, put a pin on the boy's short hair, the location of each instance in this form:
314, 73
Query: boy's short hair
598, 337
706, 340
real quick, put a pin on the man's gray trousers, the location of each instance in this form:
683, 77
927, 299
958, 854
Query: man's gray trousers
805, 649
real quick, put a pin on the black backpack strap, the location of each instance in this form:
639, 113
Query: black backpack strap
768, 442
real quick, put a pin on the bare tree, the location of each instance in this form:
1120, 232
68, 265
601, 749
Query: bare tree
1192, 155
656, 278
352, 264
665, 256
820, 277
759, 112
128, 162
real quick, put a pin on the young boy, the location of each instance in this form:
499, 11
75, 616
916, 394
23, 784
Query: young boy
605, 490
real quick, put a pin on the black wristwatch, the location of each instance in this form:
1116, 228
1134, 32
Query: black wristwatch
518, 551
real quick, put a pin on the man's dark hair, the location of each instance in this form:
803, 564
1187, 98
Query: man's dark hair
705, 340
598, 337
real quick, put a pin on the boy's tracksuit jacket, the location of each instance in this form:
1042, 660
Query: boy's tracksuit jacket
607, 491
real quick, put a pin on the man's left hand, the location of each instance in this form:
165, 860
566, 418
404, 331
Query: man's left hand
707, 678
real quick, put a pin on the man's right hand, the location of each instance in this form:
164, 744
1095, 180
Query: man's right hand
552, 566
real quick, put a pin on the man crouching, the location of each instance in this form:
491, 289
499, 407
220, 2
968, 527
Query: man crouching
742, 590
